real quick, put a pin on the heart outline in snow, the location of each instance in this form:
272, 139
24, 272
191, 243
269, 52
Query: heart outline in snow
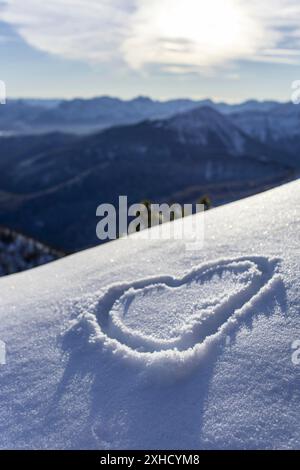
193, 344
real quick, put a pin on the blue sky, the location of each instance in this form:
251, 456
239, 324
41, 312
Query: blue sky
228, 50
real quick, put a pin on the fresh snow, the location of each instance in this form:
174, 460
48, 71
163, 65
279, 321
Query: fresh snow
144, 344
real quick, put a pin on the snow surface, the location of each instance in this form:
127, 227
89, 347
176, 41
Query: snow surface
143, 344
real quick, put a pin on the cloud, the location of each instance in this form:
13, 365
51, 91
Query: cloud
88, 30
192, 34
175, 35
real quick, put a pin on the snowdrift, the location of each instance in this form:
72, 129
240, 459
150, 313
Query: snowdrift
143, 344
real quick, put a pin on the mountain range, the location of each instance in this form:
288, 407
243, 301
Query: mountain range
51, 185
84, 116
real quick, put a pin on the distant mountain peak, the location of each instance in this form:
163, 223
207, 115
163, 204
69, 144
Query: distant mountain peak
142, 99
204, 125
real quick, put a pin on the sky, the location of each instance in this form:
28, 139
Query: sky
229, 50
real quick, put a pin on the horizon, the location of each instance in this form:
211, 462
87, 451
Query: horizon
137, 97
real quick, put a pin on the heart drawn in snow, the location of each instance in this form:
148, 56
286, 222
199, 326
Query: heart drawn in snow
174, 319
